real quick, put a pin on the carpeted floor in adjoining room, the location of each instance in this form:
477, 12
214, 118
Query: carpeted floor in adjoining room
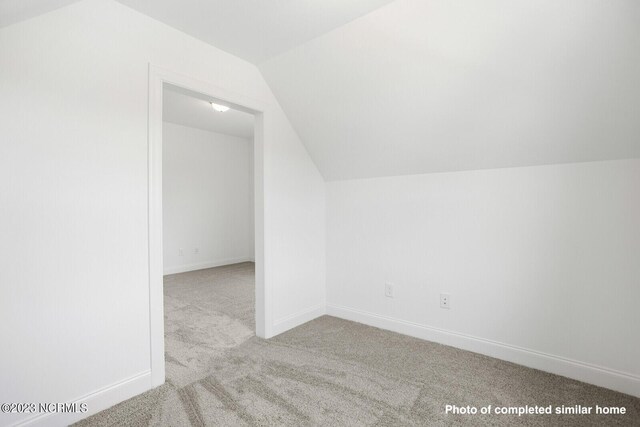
328, 372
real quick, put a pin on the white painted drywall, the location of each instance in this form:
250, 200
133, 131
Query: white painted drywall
420, 86
12, 11
207, 199
254, 30
74, 278
542, 258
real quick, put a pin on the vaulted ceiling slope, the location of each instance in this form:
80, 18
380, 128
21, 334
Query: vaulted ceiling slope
423, 86
381, 87
12, 11
255, 30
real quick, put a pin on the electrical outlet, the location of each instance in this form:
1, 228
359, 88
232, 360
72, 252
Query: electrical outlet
180, 252
196, 251
388, 290
445, 301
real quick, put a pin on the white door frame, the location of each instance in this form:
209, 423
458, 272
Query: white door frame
157, 77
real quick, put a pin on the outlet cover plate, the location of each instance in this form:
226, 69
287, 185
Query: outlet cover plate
445, 301
388, 290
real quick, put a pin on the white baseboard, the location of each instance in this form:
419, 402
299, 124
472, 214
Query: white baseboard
207, 264
289, 322
592, 374
97, 401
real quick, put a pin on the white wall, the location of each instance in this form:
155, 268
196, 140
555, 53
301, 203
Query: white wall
207, 199
439, 85
74, 279
544, 259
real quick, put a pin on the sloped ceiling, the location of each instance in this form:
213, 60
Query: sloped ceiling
255, 29
428, 86
12, 11
380, 87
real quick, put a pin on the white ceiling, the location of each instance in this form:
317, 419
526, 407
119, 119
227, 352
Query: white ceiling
186, 108
255, 29
427, 86
12, 11
416, 86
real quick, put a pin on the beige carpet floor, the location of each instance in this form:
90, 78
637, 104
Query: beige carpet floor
329, 372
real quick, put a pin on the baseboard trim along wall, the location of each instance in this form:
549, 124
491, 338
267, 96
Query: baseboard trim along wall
592, 374
96, 401
289, 322
207, 264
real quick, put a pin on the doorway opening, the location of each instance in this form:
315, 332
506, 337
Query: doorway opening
206, 268
208, 238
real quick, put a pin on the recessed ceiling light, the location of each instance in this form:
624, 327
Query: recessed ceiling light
219, 108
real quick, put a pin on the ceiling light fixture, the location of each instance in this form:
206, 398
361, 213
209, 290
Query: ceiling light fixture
219, 108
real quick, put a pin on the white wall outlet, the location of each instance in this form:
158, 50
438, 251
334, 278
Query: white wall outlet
196, 251
180, 252
388, 290
445, 301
